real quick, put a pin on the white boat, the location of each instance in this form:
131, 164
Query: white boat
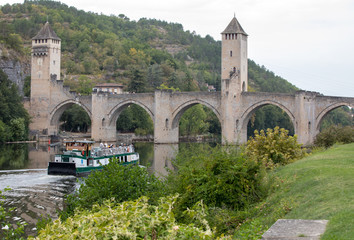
81, 157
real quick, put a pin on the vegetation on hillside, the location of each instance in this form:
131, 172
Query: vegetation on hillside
14, 119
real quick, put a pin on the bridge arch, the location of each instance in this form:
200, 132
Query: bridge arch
245, 117
58, 110
328, 109
113, 115
178, 112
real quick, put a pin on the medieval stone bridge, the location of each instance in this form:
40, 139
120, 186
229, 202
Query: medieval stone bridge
306, 110
233, 105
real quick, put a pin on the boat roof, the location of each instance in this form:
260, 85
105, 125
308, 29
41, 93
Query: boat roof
79, 141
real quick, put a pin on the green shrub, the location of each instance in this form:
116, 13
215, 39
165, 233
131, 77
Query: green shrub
273, 148
334, 134
130, 220
115, 181
221, 177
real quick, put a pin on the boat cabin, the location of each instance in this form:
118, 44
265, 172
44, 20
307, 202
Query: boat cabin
81, 146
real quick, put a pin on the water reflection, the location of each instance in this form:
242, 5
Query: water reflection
13, 156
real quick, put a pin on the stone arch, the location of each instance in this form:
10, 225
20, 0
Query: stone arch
247, 114
325, 111
117, 110
58, 110
178, 112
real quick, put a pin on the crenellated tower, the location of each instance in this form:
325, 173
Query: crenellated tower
45, 67
234, 79
234, 58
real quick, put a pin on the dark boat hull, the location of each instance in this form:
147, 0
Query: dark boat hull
61, 168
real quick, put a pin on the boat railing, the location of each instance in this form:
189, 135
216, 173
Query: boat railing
105, 151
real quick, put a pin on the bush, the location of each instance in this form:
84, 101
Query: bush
115, 181
130, 220
221, 177
333, 134
273, 148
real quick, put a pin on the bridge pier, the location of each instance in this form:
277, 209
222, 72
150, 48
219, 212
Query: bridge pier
305, 117
165, 130
101, 127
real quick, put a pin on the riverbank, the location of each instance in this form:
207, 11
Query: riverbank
319, 186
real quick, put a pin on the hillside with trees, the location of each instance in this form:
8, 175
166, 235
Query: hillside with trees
14, 119
142, 55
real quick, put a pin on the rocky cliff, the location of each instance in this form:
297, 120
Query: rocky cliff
15, 65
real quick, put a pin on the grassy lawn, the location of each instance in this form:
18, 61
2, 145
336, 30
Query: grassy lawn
320, 186
324, 189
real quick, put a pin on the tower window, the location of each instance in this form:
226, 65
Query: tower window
230, 53
46, 41
53, 62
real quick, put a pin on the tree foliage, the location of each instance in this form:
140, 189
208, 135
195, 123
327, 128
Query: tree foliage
14, 119
342, 116
135, 119
335, 134
122, 183
135, 219
269, 116
193, 121
274, 147
75, 119
221, 177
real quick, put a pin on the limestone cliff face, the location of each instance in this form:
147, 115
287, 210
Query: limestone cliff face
15, 66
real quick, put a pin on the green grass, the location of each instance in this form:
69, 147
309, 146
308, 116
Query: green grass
320, 186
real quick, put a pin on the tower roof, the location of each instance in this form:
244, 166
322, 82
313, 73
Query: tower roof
46, 32
234, 27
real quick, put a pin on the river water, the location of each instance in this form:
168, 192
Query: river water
34, 194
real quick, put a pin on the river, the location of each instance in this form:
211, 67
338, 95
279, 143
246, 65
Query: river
34, 194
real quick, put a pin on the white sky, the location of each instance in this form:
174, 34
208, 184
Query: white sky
310, 43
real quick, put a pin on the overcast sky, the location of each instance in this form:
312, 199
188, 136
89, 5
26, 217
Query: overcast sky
310, 43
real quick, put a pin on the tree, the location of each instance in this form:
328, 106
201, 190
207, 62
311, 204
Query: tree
75, 119
135, 119
154, 75
85, 85
193, 121
137, 79
14, 117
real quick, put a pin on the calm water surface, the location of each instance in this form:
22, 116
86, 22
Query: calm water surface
23, 168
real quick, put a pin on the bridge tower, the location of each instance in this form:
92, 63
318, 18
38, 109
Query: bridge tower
234, 78
45, 67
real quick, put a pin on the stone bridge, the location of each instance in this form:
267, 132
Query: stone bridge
306, 110
233, 105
